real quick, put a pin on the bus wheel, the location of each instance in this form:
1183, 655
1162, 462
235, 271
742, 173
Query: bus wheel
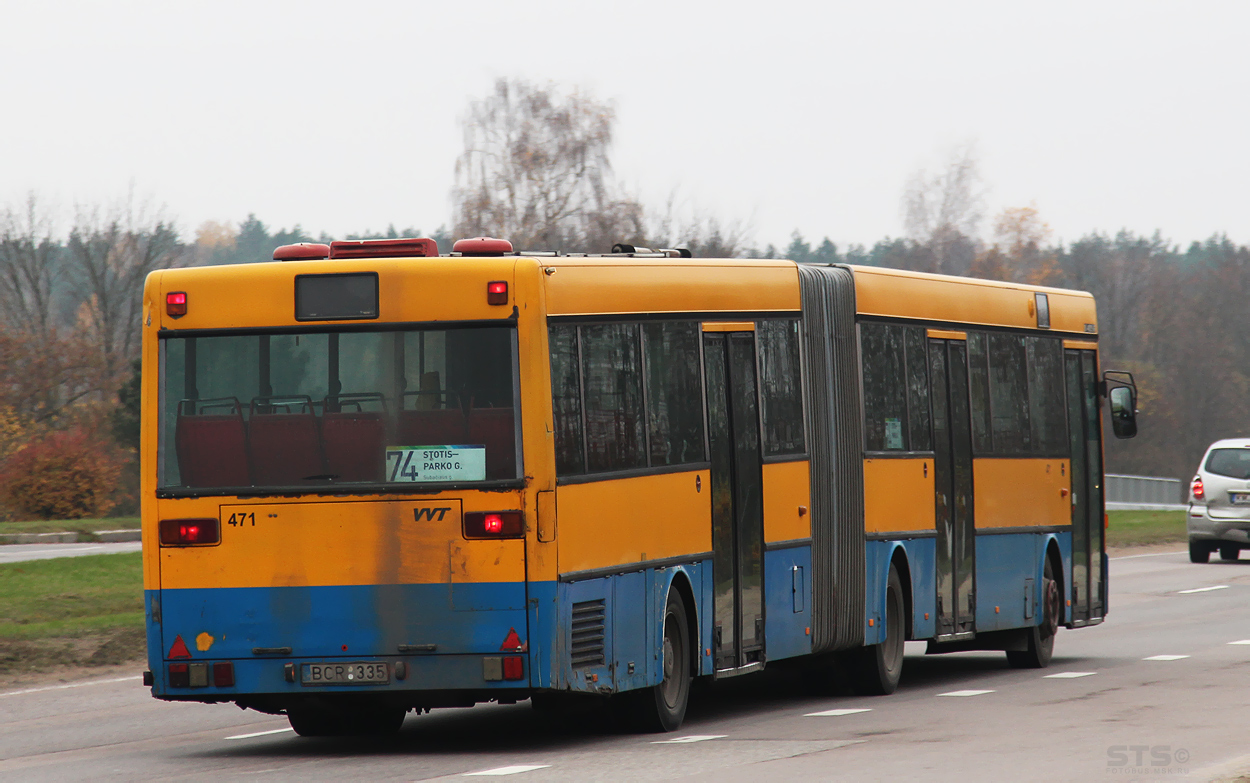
363, 721
663, 707
1041, 637
311, 721
882, 664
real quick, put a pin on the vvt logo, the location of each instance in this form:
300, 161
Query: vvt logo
429, 512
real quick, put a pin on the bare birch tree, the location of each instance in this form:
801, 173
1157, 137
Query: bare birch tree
536, 171
112, 255
943, 211
31, 267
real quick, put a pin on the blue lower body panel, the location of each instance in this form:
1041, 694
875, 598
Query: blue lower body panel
252, 626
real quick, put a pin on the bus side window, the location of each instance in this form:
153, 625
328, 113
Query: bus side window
780, 387
979, 380
612, 381
566, 400
885, 406
917, 390
1009, 395
1046, 404
674, 393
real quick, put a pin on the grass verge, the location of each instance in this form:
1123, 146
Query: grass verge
1143, 528
66, 525
85, 611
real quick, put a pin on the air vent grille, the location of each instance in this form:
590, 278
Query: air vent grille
588, 622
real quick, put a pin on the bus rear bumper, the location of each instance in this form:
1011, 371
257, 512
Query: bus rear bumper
427, 681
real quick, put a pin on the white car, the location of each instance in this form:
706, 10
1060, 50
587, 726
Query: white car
1219, 502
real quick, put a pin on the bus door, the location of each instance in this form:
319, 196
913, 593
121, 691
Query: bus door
1088, 580
952, 474
736, 496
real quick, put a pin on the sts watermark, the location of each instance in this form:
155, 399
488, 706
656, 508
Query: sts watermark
1135, 760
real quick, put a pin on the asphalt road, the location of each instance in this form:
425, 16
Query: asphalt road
1114, 713
16, 553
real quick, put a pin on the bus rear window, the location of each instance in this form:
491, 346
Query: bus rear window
325, 409
1234, 463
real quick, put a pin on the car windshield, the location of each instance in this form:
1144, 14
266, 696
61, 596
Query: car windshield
1234, 463
324, 409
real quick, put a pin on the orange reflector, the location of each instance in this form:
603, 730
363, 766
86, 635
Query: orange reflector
179, 649
176, 304
1106, 521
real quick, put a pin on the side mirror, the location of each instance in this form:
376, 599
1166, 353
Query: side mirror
1123, 412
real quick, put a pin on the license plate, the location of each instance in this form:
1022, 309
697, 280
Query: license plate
1240, 498
352, 673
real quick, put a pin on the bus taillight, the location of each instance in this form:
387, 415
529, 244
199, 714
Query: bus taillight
513, 667
189, 532
493, 524
176, 304
497, 292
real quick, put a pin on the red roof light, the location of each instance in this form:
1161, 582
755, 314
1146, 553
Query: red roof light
482, 246
302, 251
176, 304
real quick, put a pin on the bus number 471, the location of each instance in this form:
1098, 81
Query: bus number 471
242, 519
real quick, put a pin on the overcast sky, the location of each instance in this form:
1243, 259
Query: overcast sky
343, 116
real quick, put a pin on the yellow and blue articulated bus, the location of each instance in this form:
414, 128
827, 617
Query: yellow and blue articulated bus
377, 480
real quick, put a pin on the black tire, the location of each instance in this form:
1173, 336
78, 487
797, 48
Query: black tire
1199, 551
1041, 644
663, 707
881, 665
1229, 551
355, 721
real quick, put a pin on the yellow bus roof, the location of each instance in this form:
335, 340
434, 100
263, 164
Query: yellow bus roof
451, 289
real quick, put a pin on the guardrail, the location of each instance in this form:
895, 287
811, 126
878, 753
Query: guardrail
1145, 493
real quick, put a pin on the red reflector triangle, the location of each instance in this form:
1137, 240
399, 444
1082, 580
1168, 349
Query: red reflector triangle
510, 642
179, 650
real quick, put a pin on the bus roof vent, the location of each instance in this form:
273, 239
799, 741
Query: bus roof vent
482, 246
384, 248
302, 251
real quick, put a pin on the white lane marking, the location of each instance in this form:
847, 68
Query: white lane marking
1242, 641
261, 733
1066, 675
1165, 657
836, 713
70, 685
691, 738
1152, 554
514, 769
965, 693
1203, 589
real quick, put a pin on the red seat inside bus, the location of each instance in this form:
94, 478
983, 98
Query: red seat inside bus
212, 449
443, 427
354, 445
494, 428
284, 445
